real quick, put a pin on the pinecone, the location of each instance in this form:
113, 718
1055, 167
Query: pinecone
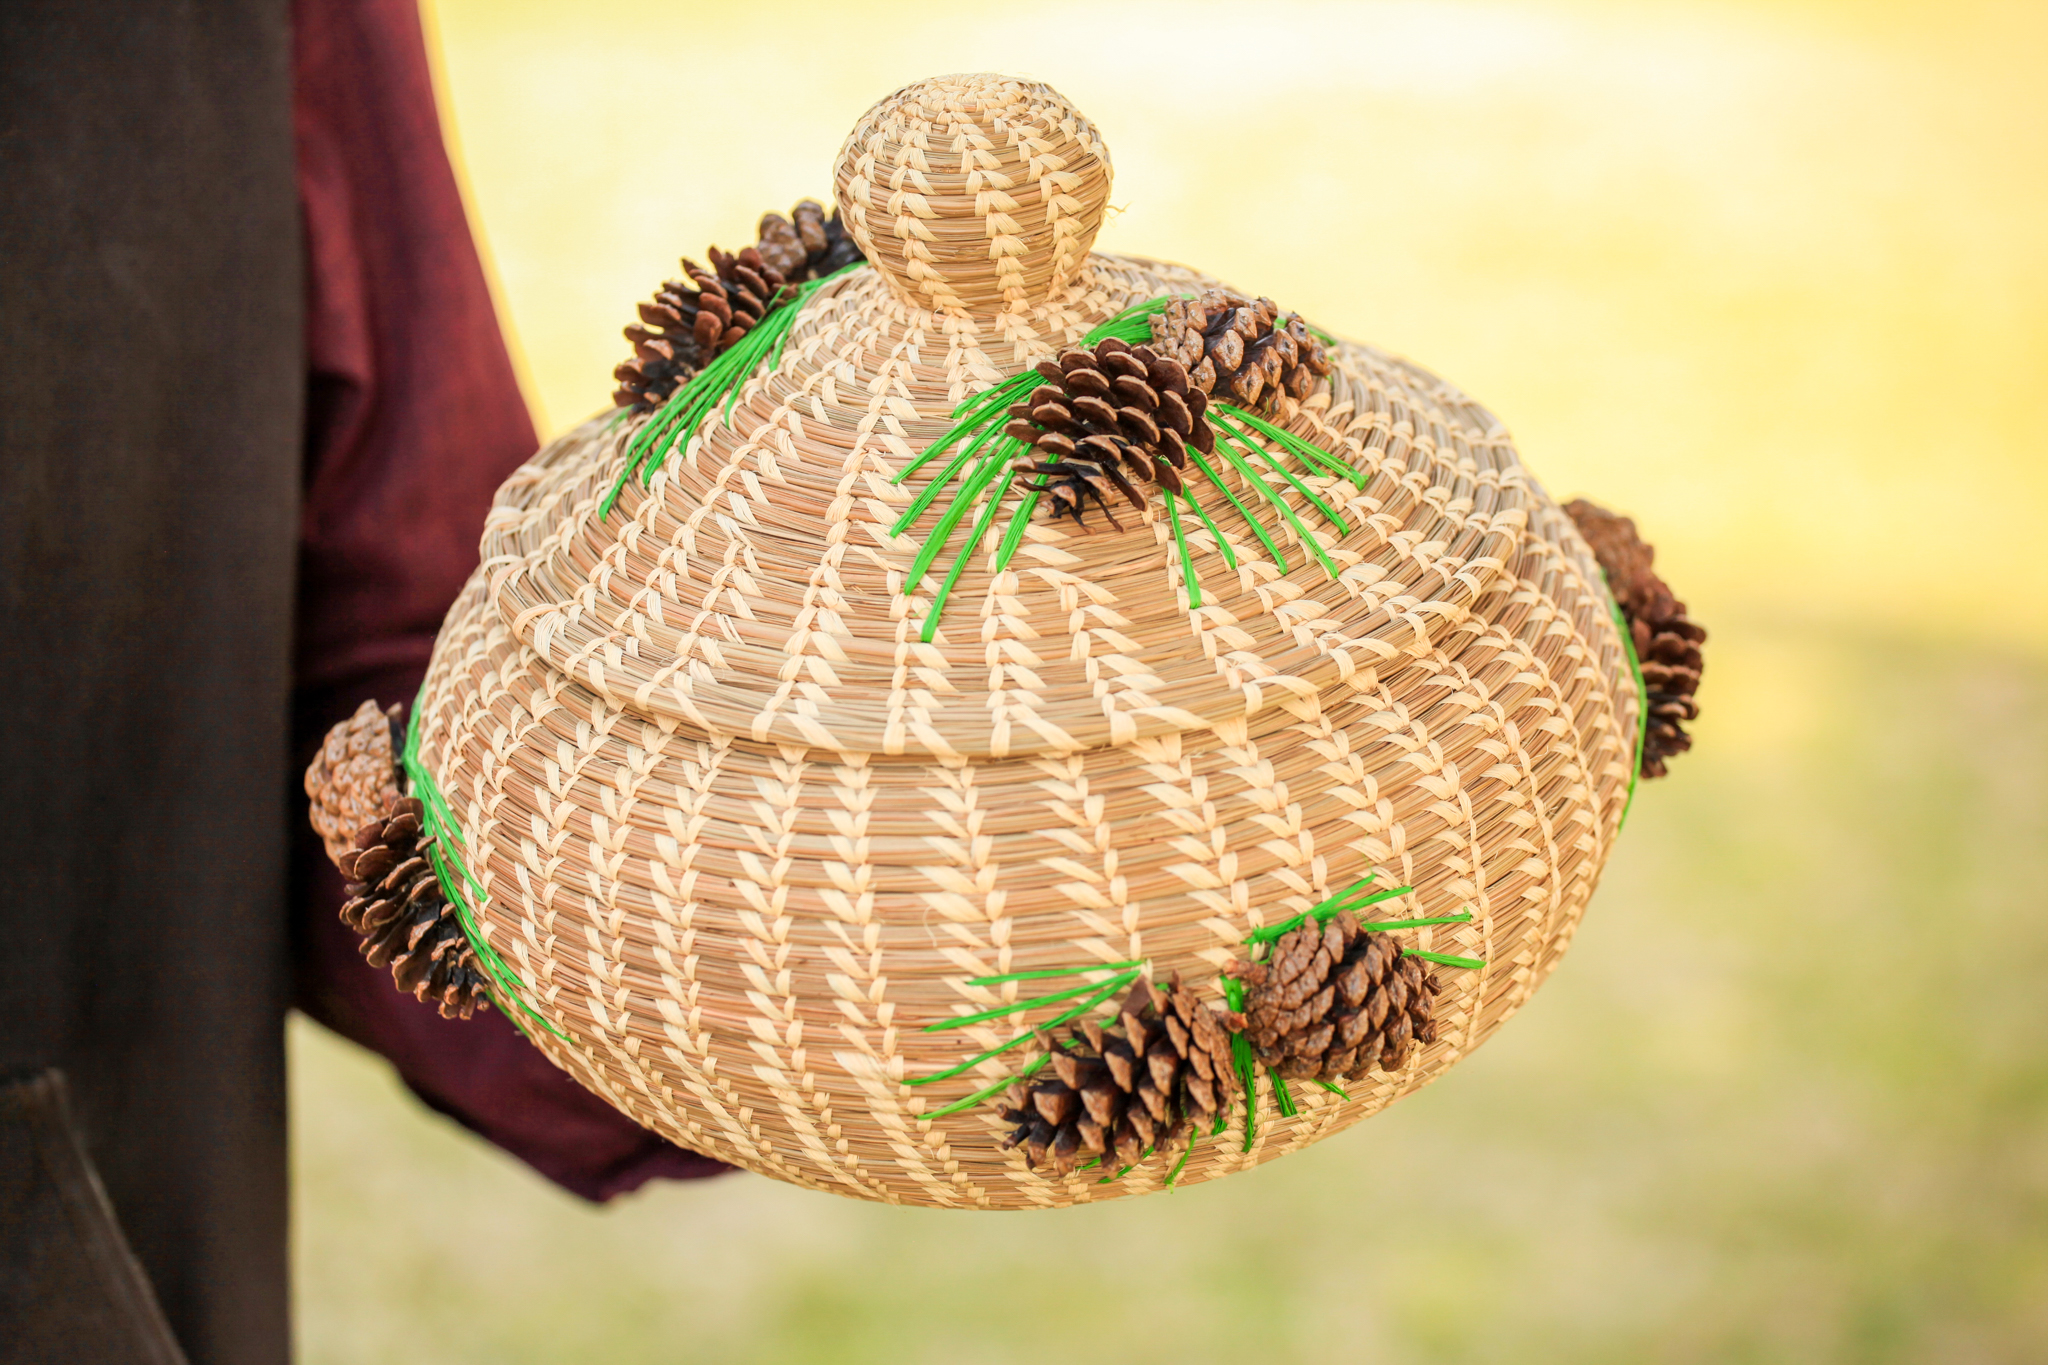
1667, 642
688, 323
1117, 1092
1332, 998
810, 248
1105, 417
355, 775
1233, 350
395, 903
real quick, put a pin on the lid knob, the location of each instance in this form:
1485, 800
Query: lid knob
976, 194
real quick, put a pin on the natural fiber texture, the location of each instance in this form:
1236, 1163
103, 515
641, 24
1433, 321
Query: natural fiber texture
354, 777
975, 195
744, 836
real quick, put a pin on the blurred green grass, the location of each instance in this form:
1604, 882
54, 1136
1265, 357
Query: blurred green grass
1768, 277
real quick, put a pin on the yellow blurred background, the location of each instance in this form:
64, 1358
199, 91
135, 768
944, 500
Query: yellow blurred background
1771, 278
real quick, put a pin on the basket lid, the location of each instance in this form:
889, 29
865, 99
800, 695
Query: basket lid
757, 587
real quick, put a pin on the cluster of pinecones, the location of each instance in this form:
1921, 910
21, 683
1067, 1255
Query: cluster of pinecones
1667, 641
1333, 1000
689, 322
1163, 1067
377, 838
1114, 416
1241, 350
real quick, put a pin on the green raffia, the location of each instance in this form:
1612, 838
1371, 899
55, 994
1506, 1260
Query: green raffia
447, 836
1013, 535
1635, 666
1446, 960
974, 538
1281, 1094
1090, 1003
1279, 560
1247, 1065
978, 1096
978, 418
1267, 492
671, 425
963, 498
1295, 446
1016, 1007
1222, 545
1187, 564
1244, 438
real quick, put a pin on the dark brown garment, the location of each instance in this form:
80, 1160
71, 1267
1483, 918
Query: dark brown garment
151, 390
413, 420
158, 321
70, 1290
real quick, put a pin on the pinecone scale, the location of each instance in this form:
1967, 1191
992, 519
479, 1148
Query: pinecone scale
1333, 1000
690, 322
1244, 351
1667, 641
1107, 420
1116, 1092
395, 903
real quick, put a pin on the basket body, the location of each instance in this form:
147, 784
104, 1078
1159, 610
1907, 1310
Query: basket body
743, 835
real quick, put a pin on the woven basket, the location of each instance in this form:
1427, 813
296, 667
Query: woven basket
741, 835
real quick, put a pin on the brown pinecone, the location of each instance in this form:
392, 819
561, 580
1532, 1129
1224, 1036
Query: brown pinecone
809, 248
1667, 642
1117, 1092
1106, 417
395, 903
1333, 998
688, 323
1233, 351
354, 777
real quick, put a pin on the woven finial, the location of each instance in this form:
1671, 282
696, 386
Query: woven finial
975, 194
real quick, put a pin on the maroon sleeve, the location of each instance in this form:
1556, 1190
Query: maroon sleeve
413, 418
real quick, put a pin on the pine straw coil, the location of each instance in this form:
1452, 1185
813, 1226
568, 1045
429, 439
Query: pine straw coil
738, 837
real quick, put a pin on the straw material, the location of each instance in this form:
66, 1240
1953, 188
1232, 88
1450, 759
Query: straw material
743, 836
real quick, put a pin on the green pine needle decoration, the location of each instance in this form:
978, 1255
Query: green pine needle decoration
970, 473
447, 835
673, 422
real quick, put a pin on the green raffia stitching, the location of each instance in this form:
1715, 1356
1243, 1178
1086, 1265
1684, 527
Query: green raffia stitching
1115, 984
673, 422
1279, 560
1281, 1095
1355, 897
447, 834
1470, 964
977, 419
1247, 1065
1187, 564
978, 1096
1635, 666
